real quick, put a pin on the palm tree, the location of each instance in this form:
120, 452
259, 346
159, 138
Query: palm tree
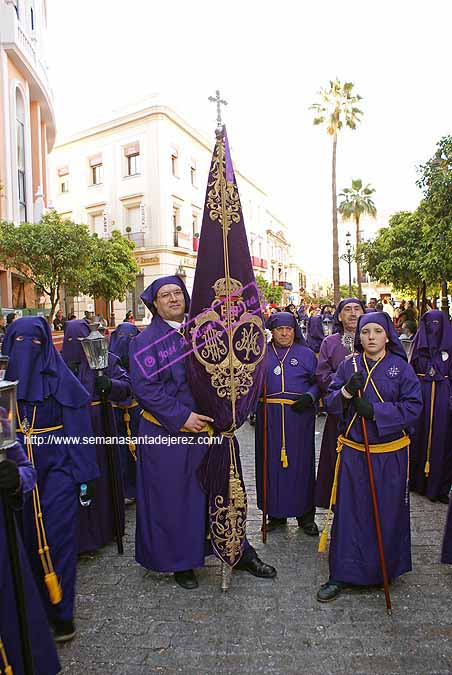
337, 106
356, 202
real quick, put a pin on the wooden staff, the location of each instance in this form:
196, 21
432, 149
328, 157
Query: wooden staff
18, 585
375, 506
112, 474
264, 463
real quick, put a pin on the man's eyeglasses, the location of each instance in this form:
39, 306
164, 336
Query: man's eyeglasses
166, 296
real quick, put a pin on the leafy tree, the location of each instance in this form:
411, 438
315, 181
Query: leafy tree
435, 211
336, 108
345, 291
395, 255
271, 294
357, 201
112, 270
50, 253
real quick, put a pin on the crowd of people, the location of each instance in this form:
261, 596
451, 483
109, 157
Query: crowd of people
381, 377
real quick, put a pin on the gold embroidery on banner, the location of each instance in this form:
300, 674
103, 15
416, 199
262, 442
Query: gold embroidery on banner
220, 186
228, 523
230, 369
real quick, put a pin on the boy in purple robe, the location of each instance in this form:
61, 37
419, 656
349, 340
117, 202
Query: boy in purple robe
96, 522
291, 396
127, 416
172, 508
431, 451
17, 480
390, 404
51, 407
333, 351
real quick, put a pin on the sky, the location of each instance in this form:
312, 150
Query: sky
269, 61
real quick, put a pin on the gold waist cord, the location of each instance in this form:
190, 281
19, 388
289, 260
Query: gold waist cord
430, 430
282, 402
379, 448
206, 428
7, 669
126, 418
50, 578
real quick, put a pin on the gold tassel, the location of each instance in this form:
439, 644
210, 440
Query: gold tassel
284, 459
427, 468
9, 670
131, 444
323, 540
53, 587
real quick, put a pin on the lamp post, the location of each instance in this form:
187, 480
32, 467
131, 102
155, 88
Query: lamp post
348, 257
7, 439
95, 346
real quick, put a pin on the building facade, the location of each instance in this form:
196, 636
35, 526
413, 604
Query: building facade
27, 129
145, 174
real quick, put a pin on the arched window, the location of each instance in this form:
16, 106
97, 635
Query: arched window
20, 147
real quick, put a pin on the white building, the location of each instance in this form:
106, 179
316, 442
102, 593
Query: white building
27, 127
145, 174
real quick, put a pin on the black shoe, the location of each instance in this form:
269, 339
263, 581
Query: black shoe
272, 523
329, 591
309, 528
257, 567
443, 499
64, 631
186, 579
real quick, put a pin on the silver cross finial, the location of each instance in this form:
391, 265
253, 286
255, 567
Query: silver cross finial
219, 101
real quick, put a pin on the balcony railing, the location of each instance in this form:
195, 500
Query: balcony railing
136, 237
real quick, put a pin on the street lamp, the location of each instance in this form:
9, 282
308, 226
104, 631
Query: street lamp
348, 257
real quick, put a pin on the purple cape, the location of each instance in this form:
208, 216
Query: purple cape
226, 365
34, 361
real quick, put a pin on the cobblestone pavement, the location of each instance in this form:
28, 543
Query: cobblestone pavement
133, 622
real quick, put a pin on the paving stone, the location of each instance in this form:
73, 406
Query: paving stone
133, 622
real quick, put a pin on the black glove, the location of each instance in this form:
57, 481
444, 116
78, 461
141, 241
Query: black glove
364, 408
102, 384
125, 362
74, 366
90, 489
355, 383
304, 401
9, 476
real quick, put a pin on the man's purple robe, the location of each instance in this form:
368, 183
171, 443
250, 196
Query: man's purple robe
290, 491
332, 353
45, 659
171, 520
353, 555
